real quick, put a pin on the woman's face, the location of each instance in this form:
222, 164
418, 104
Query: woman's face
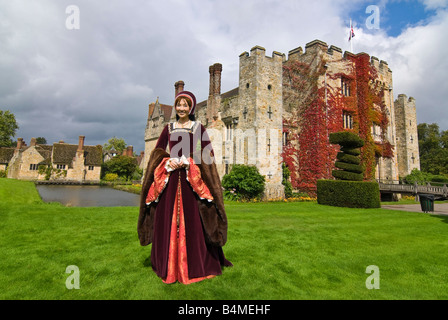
183, 109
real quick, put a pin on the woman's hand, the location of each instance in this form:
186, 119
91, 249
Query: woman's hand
174, 164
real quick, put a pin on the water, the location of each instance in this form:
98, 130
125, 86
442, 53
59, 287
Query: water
87, 196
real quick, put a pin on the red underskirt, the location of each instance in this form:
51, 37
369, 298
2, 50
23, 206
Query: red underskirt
177, 259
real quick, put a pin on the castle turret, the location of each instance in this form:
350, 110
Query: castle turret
261, 98
406, 135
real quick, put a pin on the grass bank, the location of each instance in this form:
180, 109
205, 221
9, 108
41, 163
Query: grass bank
296, 250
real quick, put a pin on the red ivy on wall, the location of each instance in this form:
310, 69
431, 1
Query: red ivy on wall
316, 109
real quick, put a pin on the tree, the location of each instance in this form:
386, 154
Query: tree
41, 140
433, 147
8, 127
117, 144
123, 166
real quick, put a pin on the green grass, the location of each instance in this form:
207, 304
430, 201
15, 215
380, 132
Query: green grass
279, 251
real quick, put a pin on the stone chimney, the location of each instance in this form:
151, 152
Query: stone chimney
81, 144
179, 87
214, 98
215, 79
33, 142
130, 151
19, 143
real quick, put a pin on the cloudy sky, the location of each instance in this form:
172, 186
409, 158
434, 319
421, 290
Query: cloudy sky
97, 80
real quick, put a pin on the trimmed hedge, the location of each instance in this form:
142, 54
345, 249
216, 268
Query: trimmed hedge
355, 168
341, 156
346, 139
351, 194
347, 175
351, 151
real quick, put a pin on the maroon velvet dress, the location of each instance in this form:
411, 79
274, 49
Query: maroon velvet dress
184, 255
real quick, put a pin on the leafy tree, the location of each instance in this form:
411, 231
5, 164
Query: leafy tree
123, 166
41, 140
117, 144
433, 146
8, 127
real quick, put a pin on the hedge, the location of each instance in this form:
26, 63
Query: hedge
346, 139
346, 175
351, 151
351, 194
341, 156
355, 168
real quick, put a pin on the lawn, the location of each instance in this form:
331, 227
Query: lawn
279, 251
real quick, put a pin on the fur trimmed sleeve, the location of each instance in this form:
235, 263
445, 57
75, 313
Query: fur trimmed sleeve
145, 225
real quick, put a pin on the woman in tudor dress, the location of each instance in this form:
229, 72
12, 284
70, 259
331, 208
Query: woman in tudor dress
181, 209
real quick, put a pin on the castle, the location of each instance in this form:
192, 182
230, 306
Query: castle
262, 121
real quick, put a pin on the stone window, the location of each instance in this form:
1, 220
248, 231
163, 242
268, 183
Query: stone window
285, 138
60, 166
345, 87
229, 133
91, 168
33, 167
348, 120
269, 87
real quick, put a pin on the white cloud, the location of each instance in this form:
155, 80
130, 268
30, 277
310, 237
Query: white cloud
98, 81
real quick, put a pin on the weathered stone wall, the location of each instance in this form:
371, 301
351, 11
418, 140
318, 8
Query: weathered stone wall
406, 135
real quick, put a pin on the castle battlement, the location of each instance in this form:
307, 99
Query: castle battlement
258, 51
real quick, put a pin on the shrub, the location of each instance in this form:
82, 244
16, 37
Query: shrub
346, 139
111, 177
2, 174
351, 194
355, 168
286, 182
244, 182
348, 158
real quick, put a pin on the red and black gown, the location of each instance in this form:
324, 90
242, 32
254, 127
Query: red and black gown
179, 251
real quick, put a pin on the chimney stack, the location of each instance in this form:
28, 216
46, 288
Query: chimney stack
179, 87
217, 86
19, 143
81, 144
214, 98
130, 151
33, 142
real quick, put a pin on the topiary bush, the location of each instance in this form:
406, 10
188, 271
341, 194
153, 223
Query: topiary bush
351, 194
348, 159
243, 183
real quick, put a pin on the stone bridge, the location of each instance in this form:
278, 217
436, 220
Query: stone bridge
414, 189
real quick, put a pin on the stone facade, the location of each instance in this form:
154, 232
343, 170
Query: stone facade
75, 163
406, 135
246, 124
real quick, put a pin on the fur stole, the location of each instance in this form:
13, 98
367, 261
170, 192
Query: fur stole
213, 215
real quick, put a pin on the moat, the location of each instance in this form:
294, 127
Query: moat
87, 196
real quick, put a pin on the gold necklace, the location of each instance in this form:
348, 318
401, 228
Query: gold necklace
183, 125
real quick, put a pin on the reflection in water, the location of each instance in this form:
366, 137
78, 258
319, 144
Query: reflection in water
87, 196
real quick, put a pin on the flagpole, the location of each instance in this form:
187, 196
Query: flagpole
351, 38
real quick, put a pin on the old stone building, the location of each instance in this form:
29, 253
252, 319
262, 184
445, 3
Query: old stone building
60, 161
255, 122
